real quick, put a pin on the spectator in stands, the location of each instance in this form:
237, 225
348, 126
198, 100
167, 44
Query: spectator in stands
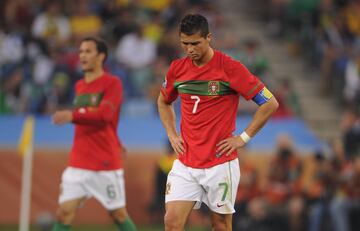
354, 195
153, 29
334, 43
122, 24
277, 16
352, 80
43, 66
84, 22
158, 70
320, 192
59, 95
136, 52
31, 35
352, 18
284, 185
18, 14
12, 49
289, 104
259, 217
164, 164
331, 193
352, 132
51, 25
108, 11
156, 6
167, 47
248, 190
11, 92
252, 59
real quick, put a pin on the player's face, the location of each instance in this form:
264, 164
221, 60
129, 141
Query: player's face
90, 59
195, 46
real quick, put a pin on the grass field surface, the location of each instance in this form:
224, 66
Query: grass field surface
97, 228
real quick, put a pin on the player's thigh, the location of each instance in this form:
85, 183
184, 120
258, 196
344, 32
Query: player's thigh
108, 187
221, 222
177, 212
181, 185
119, 214
222, 182
71, 188
69, 207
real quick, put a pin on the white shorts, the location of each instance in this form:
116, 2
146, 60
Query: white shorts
215, 186
106, 186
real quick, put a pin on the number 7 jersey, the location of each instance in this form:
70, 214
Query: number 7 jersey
209, 102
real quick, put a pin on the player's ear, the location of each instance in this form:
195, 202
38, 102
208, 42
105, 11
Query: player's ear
208, 37
102, 57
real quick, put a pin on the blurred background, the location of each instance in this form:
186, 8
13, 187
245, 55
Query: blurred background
301, 172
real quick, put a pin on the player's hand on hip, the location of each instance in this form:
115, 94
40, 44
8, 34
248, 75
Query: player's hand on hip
62, 117
229, 145
177, 144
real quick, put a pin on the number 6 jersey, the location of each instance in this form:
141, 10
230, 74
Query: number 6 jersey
209, 101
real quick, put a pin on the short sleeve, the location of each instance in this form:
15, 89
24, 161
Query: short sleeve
241, 80
167, 89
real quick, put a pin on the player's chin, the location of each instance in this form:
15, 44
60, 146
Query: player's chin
194, 57
85, 69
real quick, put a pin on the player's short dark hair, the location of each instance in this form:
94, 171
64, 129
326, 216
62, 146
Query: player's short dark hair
193, 23
101, 45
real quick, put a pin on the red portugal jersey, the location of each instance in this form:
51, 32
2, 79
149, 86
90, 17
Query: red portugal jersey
96, 115
209, 102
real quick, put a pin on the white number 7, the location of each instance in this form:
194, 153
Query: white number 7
196, 102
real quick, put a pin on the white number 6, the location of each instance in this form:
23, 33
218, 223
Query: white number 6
196, 102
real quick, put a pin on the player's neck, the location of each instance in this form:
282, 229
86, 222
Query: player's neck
93, 75
205, 59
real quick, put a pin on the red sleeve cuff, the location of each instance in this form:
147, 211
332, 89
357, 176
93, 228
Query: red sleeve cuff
256, 90
76, 114
166, 98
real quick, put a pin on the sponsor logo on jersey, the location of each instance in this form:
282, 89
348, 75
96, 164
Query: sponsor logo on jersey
213, 87
93, 99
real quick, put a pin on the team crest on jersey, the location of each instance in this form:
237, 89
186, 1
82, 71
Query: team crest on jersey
93, 99
213, 87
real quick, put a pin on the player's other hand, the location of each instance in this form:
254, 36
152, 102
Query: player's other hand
229, 145
62, 117
177, 144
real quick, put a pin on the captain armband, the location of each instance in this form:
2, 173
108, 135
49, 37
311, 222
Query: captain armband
262, 97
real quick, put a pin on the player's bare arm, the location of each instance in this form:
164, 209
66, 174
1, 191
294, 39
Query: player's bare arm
168, 119
262, 115
62, 117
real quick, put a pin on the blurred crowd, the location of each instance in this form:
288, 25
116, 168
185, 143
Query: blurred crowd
327, 34
287, 189
39, 64
39, 43
318, 192
321, 191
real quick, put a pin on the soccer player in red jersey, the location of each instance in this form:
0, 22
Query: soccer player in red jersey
209, 84
95, 165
